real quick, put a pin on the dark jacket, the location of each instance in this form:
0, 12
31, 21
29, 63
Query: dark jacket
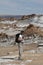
16, 38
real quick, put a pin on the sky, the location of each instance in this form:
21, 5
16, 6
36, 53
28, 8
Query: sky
21, 7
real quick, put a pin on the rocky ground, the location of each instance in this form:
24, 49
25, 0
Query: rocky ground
30, 56
33, 53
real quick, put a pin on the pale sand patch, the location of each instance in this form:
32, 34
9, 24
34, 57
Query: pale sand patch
29, 56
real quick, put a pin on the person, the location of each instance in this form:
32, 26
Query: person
19, 39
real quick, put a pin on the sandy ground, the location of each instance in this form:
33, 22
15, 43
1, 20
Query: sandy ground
9, 55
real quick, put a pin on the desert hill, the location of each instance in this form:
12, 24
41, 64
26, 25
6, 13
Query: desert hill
31, 30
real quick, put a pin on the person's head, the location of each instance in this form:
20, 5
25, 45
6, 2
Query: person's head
21, 32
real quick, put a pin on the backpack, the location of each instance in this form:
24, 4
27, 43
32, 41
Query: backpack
18, 38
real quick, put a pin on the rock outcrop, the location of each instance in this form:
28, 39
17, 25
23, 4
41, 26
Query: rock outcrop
3, 35
27, 16
31, 29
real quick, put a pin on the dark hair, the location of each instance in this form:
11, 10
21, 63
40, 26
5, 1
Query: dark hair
22, 32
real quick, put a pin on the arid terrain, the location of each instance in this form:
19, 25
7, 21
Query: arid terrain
30, 56
32, 27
